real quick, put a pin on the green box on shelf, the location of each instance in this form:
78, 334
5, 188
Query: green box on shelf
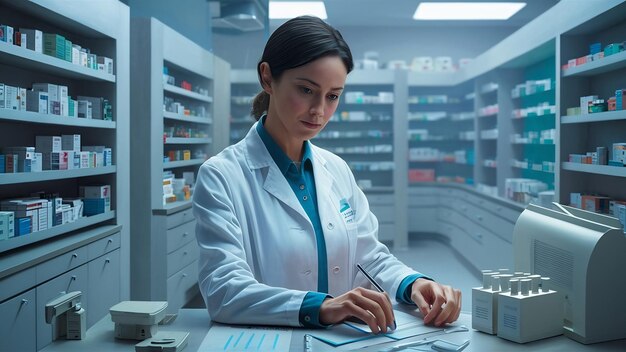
68, 51
54, 45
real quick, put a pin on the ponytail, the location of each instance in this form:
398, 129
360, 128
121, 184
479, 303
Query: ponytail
260, 105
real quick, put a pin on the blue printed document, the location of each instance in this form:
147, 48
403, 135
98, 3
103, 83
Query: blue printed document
246, 338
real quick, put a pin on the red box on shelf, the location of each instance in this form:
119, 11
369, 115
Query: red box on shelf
421, 175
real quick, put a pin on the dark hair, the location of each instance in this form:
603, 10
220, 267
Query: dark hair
295, 43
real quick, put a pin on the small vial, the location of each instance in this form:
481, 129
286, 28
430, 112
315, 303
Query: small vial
514, 283
504, 282
525, 286
545, 284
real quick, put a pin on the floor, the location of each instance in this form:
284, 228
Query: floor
429, 255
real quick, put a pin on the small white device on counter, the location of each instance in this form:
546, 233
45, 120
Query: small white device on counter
67, 317
137, 320
164, 341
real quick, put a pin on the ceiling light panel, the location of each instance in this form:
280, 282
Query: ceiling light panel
432, 11
291, 9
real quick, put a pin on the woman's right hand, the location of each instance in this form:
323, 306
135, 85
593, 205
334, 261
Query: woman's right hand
372, 307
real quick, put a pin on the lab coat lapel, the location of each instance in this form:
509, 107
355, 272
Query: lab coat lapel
274, 182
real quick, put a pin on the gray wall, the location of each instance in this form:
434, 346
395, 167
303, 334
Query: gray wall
191, 18
244, 50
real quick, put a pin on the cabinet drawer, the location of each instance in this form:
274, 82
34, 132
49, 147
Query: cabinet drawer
423, 191
384, 213
380, 199
182, 287
504, 211
104, 245
18, 323
75, 280
180, 235
179, 218
18, 282
61, 264
104, 285
423, 201
182, 257
497, 225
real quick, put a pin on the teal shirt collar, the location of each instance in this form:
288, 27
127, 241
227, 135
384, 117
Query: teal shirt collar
280, 158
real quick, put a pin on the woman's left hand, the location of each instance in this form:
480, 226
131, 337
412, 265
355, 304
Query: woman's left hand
440, 304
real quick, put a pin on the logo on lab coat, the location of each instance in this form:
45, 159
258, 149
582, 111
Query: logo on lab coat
346, 211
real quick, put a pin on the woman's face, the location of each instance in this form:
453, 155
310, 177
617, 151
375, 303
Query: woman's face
304, 99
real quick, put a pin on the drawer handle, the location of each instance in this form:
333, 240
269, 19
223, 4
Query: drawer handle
74, 255
73, 278
479, 236
107, 261
184, 253
480, 218
185, 234
184, 275
24, 301
109, 241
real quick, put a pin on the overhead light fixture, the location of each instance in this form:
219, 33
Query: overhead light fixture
467, 10
291, 9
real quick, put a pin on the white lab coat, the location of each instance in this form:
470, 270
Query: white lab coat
258, 254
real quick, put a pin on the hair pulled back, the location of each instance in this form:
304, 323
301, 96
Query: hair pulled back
295, 43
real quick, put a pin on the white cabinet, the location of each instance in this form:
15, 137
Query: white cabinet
17, 323
479, 227
178, 123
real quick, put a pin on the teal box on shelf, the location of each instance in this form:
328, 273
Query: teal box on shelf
23, 226
619, 99
94, 206
613, 48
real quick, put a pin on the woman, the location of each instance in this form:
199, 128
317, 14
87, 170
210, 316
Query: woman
281, 223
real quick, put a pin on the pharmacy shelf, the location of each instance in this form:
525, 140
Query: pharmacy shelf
378, 189
33, 237
596, 117
187, 93
366, 104
14, 55
595, 169
182, 163
606, 64
180, 117
531, 95
172, 208
175, 140
527, 169
35, 117
24, 177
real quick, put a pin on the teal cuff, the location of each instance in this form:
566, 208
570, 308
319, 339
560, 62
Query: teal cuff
404, 290
310, 310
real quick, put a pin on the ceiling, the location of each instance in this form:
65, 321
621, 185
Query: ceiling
399, 13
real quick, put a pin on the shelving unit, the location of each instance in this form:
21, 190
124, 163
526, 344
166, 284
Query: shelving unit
488, 92
440, 149
90, 254
168, 120
244, 86
370, 135
583, 133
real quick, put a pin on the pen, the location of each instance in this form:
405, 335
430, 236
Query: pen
308, 347
376, 285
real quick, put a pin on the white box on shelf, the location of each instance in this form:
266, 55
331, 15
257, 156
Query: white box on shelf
21, 96
37, 101
63, 96
7, 224
11, 100
70, 142
34, 39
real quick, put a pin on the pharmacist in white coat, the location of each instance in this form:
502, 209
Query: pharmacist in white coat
281, 223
